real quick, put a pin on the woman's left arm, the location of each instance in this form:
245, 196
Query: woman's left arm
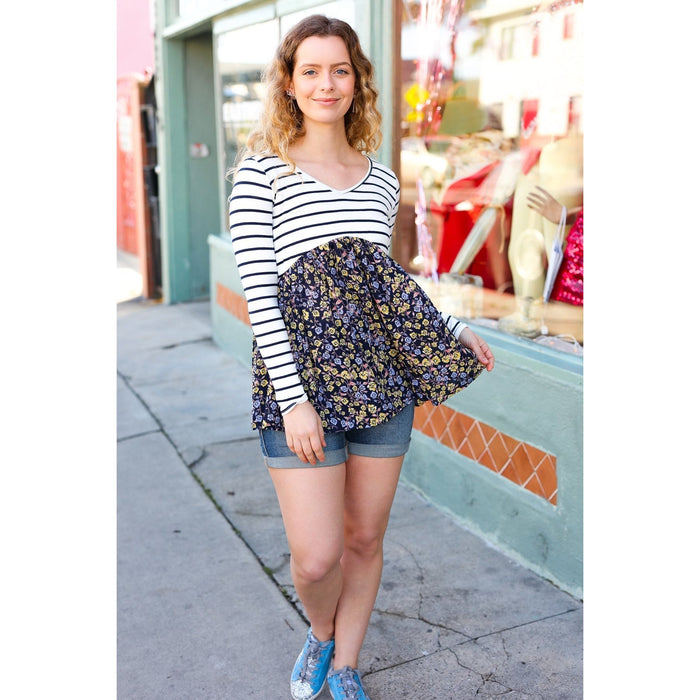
458, 328
478, 346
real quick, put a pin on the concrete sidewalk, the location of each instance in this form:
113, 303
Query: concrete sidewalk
206, 606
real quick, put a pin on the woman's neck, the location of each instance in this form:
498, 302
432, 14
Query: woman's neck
320, 144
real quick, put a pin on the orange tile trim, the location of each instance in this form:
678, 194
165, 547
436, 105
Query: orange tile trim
512, 459
523, 464
233, 302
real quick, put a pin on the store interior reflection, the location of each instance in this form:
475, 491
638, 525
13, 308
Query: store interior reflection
492, 108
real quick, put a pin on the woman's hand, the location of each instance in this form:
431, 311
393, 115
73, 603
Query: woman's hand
304, 432
543, 203
478, 346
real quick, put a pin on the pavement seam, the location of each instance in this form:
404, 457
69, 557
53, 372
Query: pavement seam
161, 427
270, 573
208, 493
522, 624
137, 435
187, 342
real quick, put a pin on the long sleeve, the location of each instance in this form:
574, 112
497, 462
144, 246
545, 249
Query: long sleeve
250, 220
454, 325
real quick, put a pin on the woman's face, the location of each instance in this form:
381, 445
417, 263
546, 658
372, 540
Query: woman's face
323, 80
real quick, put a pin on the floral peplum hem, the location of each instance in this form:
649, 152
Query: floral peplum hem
366, 340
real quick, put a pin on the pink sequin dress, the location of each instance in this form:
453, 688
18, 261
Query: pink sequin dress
568, 286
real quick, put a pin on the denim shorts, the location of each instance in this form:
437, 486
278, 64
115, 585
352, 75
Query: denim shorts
390, 439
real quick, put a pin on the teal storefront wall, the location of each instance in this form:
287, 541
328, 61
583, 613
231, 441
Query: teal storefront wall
539, 405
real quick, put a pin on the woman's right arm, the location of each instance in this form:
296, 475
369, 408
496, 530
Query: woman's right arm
250, 223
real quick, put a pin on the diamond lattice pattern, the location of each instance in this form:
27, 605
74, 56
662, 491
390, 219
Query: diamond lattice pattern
513, 459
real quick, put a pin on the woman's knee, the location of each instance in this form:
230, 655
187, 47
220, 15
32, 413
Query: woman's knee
315, 567
364, 542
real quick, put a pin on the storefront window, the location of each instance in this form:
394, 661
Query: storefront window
340, 9
492, 110
242, 54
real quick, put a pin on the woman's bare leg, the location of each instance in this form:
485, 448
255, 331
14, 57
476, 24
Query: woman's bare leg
311, 502
370, 486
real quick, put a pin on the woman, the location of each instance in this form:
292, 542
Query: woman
345, 343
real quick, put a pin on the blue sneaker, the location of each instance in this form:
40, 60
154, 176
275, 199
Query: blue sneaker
346, 685
311, 668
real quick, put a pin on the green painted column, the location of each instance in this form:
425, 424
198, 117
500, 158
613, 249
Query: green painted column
173, 175
188, 179
204, 207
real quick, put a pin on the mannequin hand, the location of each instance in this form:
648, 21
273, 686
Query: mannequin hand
304, 432
478, 346
543, 203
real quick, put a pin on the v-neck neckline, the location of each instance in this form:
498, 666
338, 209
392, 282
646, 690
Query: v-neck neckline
335, 189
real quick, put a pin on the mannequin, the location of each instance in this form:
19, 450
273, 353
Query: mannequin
560, 172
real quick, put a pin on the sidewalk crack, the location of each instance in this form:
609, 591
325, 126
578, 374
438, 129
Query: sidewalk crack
136, 435
158, 422
425, 621
524, 624
207, 338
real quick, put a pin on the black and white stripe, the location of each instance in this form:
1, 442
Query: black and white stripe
276, 216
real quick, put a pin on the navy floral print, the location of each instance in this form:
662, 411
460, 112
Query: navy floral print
366, 339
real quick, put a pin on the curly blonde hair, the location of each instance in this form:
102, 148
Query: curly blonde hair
281, 122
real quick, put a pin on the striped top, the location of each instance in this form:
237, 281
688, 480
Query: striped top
275, 216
